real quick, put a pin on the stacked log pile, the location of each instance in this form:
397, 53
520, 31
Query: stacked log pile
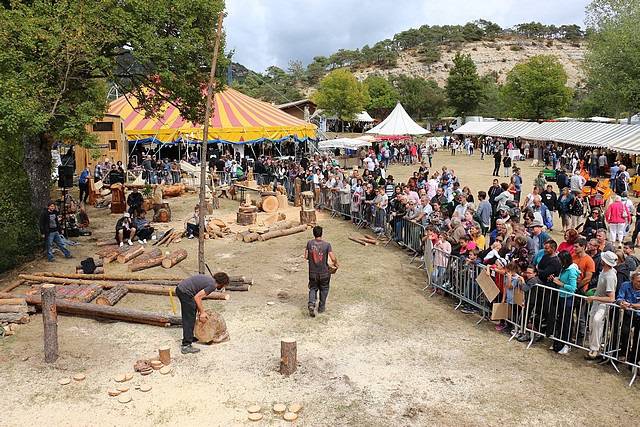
13, 310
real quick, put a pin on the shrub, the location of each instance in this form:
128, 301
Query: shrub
516, 48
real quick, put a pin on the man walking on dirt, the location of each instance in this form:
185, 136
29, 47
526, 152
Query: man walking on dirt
190, 292
318, 253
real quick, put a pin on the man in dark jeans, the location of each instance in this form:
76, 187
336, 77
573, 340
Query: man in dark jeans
190, 292
318, 253
50, 230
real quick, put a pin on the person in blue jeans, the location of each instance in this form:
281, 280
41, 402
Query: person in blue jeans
50, 229
561, 310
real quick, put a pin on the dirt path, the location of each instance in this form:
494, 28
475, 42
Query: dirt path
384, 354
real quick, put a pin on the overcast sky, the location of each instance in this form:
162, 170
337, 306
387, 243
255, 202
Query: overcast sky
273, 32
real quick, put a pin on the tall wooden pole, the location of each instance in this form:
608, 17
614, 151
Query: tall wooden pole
50, 320
205, 139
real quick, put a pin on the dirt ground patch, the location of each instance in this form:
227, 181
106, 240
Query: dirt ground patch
384, 354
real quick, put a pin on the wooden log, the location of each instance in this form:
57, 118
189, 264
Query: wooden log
174, 258
241, 235
111, 313
112, 296
107, 242
270, 204
307, 217
98, 270
104, 283
50, 321
369, 239
11, 286
283, 201
106, 250
237, 288
130, 254
362, 242
114, 255
280, 233
164, 354
164, 237
12, 301
118, 277
14, 308
14, 318
87, 293
243, 218
288, 356
146, 263
281, 225
251, 237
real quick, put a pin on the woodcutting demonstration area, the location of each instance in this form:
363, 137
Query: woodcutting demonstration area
382, 354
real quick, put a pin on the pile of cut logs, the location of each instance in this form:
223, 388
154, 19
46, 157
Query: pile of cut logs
364, 239
216, 229
13, 310
138, 259
278, 229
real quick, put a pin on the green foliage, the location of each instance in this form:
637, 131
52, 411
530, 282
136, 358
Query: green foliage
382, 95
420, 97
463, 87
340, 94
613, 59
429, 53
516, 47
17, 222
537, 89
275, 85
491, 104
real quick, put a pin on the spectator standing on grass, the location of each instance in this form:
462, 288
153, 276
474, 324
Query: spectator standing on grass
506, 162
497, 159
318, 252
618, 217
50, 230
484, 211
562, 305
605, 293
628, 298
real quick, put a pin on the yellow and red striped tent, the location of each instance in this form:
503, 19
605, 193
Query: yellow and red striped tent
237, 118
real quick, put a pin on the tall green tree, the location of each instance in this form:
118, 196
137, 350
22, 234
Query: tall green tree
537, 89
57, 58
382, 95
463, 87
491, 104
341, 94
613, 58
420, 97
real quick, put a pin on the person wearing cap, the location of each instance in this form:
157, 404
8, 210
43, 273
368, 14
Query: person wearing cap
125, 229
50, 230
538, 235
604, 294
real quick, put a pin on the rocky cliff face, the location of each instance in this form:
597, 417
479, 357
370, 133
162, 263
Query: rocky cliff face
499, 56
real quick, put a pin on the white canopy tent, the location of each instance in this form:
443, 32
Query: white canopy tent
398, 123
474, 128
510, 129
344, 143
364, 117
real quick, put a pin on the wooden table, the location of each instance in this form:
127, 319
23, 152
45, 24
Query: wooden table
242, 189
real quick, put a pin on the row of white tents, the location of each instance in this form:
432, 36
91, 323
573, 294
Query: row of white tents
617, 137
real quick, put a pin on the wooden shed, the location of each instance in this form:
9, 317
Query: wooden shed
111, 144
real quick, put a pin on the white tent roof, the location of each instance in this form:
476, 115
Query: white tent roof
511, 129
474, 128
364, 117
398, 123
348, 143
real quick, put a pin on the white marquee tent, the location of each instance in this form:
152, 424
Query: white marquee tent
398, 123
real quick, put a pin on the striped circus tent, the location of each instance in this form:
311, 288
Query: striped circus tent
237, 119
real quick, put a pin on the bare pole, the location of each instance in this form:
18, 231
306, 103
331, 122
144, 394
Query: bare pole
203, 153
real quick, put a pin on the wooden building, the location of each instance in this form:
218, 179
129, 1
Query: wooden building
111, 144
302, 109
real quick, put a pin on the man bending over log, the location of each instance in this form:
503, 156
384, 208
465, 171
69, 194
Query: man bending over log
318, 253
190, 292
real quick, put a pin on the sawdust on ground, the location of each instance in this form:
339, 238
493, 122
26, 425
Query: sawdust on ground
384, 354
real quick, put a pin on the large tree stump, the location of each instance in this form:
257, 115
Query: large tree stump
50, 320
307, 217
288, 356
246, 218
112, 296
174, 258
164, 354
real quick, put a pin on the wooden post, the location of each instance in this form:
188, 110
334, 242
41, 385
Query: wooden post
50, 319
164, 354
205, 140
288, 356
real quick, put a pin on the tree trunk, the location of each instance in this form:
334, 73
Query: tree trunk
112, 313
174, 258
112, 296
37, 165
288, 356
146, 263
50, 319
279, 233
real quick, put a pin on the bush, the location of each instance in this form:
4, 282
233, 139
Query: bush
18, 223
516, 48
549, 43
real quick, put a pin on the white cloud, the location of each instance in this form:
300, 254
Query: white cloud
273, 32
